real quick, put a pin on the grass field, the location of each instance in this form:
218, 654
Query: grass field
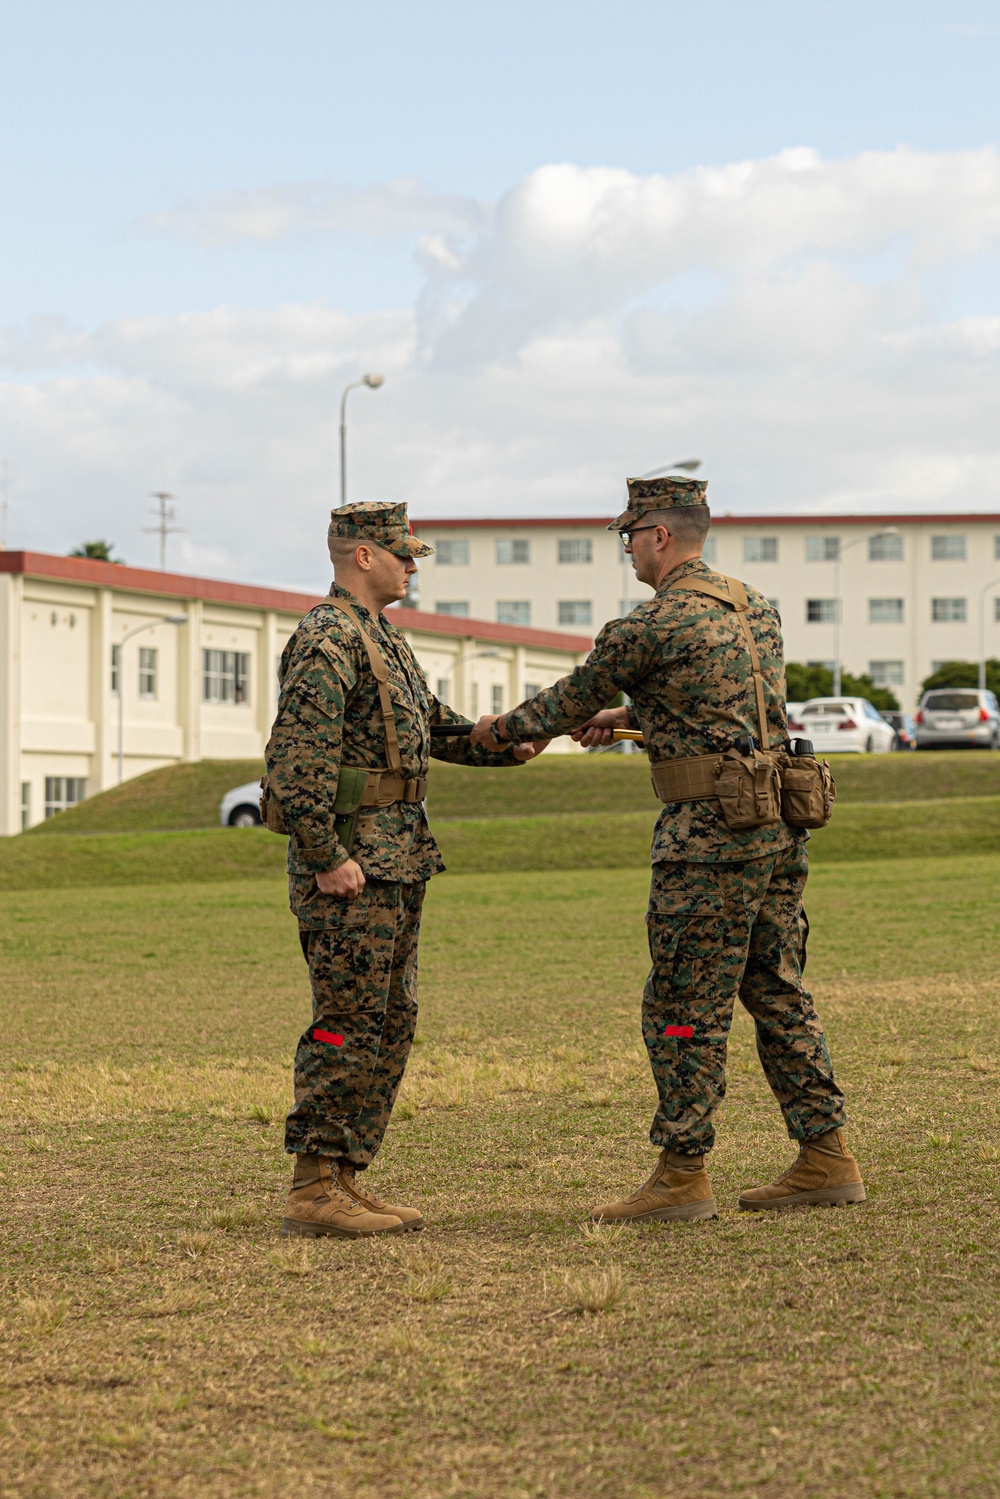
159, 1339
184, 797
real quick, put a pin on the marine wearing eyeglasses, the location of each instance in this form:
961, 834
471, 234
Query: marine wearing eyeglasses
725, 917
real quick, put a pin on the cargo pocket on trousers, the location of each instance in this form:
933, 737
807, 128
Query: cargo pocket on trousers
685, 942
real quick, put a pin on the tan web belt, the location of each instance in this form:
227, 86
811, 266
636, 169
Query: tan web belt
384, 788
690, 780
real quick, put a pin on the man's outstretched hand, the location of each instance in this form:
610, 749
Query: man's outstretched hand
597, 730
481, 735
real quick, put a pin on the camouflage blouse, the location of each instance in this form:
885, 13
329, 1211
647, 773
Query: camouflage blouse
329, 715
683, 660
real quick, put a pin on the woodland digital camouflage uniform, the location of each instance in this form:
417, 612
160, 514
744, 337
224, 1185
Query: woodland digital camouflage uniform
362, 953
725, 910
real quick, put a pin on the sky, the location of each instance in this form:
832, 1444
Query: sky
579, 240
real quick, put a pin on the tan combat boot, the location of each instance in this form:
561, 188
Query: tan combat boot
825, 1175
347, 1180
318, 1205
679, 1188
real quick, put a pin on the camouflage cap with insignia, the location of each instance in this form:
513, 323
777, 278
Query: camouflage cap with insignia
648, 495
381, 521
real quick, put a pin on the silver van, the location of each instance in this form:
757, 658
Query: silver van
957, 717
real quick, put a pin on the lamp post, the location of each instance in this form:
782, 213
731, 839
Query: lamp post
373, 382
170, 619
889, 531
982, 630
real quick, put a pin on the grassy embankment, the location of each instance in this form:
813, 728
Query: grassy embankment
159, 1340
564, 813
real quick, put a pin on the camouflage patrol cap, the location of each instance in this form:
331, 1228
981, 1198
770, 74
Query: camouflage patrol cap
381, 521
668, 493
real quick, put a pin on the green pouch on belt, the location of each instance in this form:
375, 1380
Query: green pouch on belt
347, 805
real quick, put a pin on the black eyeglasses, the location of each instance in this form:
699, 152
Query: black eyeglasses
626, 536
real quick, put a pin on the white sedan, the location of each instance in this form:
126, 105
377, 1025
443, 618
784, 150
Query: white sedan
240, 808
843, 725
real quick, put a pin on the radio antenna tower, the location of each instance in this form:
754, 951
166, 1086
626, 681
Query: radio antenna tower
165, 513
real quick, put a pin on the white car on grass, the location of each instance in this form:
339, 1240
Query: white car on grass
240, 808
843, 725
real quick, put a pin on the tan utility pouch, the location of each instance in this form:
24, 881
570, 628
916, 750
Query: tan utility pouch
749, 790
807, 791
748, 786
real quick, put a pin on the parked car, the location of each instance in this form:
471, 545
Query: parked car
240, 808
846, 725
958, 717
906, 730
791, 709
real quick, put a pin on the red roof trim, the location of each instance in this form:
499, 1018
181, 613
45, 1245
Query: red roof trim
557, 521
84, 570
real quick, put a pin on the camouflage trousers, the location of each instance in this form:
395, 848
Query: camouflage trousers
717, 931
350, 1062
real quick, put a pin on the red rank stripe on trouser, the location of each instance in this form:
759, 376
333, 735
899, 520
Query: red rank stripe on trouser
685, 1031
328, 1038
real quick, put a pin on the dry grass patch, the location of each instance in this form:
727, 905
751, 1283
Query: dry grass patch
600, 1291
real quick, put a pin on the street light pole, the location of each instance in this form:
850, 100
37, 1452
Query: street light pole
373, 382
170, 619
982, 630
889, 531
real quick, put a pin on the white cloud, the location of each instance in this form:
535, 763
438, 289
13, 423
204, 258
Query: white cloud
400, 208
783, 319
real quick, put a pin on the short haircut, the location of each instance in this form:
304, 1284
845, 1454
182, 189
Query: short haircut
687, 524
343, 548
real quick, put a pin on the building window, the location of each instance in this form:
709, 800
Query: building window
885, 611
25, 806
760, 549
451, 553
822, 548
513, 612
710, 550
996, 609
496, 698
116, 667
886, 673
575, 611
885, 548
474, 699
532, 689
226, 677
62, 792
947, 548
510, 550
821, 611
147, 671
576, 549
443, 688
458, 607
996, 548
948, 611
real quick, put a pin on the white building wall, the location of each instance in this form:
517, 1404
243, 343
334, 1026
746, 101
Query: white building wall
918, 643
59, 715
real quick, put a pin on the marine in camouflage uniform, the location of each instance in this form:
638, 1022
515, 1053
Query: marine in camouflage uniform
361, 951
725, 916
